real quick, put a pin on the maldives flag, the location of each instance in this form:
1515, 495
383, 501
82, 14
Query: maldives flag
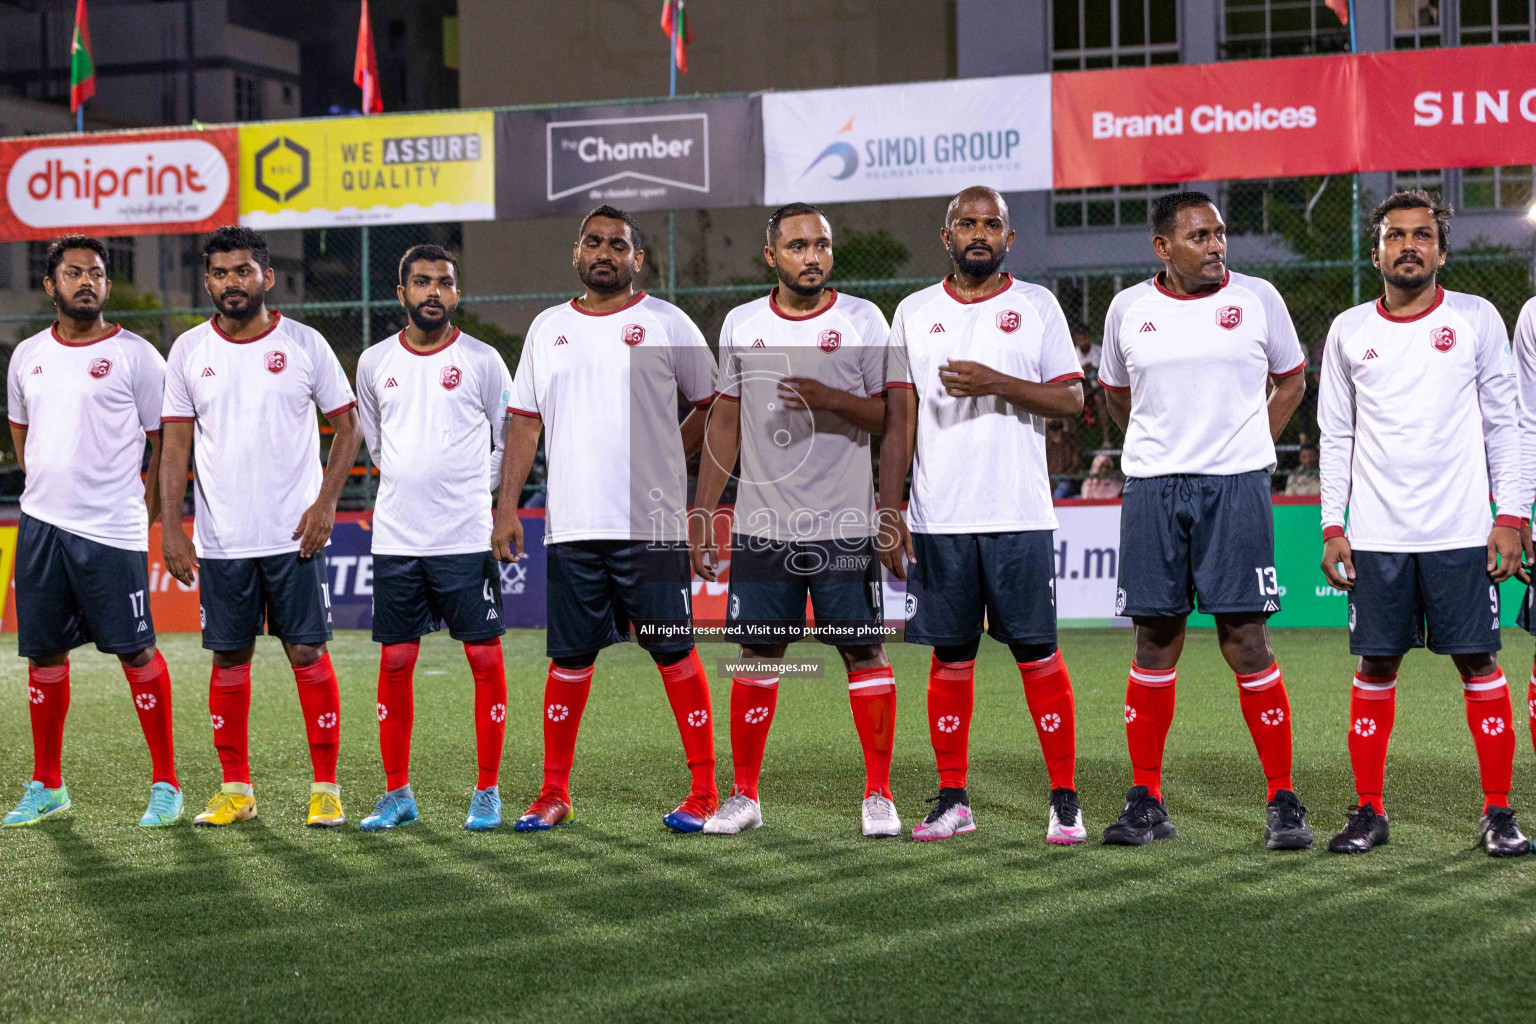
1339, 8
675, 25
82, 70
365, 66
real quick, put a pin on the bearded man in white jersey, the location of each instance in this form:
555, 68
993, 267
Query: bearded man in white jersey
802, 375
975, 366
602, 372
246, 384
1418, 419
432, 402
82, 396
1202, 370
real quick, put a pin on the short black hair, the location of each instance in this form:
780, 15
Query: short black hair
63, 243
233, 238
637, 237
1413, 199
1165, 210
783, 213
429, 253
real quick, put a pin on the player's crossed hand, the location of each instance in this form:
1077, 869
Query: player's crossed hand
1339, 563
1504, 550
894, 542
179, 555
507, 538
964, 379
314, 528
1528, 557
805, 393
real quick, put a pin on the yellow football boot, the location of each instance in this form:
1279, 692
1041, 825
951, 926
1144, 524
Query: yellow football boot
325, 806
233, 802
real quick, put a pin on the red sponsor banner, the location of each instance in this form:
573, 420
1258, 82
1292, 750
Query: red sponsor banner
1244, 119
119, 183
1471, 107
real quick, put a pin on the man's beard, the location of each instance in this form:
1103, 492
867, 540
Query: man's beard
1403, 276
794, 285
622, 276
977, 266
253, 305
428, 320
89, 309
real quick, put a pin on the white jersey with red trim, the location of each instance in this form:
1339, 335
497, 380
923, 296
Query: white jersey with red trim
1198, 369
980, 462
1525, 366
805, 475
87, 408
1415, 415
605, 385
256, 442
433, 422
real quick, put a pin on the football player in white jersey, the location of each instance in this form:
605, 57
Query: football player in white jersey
246, 385
432, 402
1202, 370
976, 364
1418, 419
802, 375
82, 396
602, 372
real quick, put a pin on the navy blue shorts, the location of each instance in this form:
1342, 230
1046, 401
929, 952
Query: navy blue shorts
1190, 536
291, 595
415, 596
771, 579
1442, 600
72, 591
959, 579
597, 589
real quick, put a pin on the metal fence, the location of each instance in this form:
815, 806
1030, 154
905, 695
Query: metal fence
321, 281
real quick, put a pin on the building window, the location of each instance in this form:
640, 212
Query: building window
1113, 33
121, 252
1280, 28
1256, 207
247, 98
37, 265
1432, 182
1496, 188
1495, 21
1415, 24
1119, 206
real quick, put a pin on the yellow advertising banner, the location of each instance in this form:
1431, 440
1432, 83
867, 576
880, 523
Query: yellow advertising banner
401, 169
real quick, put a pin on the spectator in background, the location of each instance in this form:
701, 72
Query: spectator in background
1088, 350
1089, 353
1103, 479
1304, 478
1063, 457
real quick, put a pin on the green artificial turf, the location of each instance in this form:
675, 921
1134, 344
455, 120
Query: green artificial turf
616, 919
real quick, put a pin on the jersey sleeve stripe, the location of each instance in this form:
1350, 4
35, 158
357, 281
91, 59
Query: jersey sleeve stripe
338, 412
703, 403
1074, 375
728, 398
900, 384
1293, 371
1111, 387
152, 433
177, 419
524, 412
1517, 522
13, 423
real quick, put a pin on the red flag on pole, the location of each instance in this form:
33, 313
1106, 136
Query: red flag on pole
1340, 8
365, 66
675, 25
82, 69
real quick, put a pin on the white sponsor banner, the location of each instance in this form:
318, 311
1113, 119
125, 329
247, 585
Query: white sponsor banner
893, 141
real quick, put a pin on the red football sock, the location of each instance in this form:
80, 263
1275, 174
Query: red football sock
688, 693
1267, 710
48, 694
229, 707
565, 698
1530, 697
151, 688
396, 709
872, 697
1149, 696
320, 698
752, 704
951, 696
486, 665
1372, 709
1491, 719
1048, 692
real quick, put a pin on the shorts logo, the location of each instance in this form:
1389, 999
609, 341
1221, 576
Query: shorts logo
1444, 338
756, 715
1274, 716
698, 718
1050, 722
1365, 727
1351, 618
217, 721
100, 368
327, 720
277, 362
498, 713
202, 621
633, 335
911, 605
557, 712
34, 695
144, 701
1007, 321
1130, 714
381, 711
735, 605
829, 341
1229, 317
1120, 601
450, 378
1493, 726
1270, 606
948, 723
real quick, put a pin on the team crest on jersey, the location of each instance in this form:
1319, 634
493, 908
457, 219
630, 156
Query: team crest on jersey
450, 378
100, 368
1444, 338
830, 341
277, 362
1229, 316
633, 334
1008, 321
